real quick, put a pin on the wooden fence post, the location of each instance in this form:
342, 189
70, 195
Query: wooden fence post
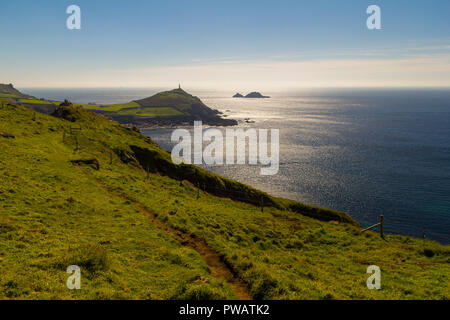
262, 204
381, 226
423, 238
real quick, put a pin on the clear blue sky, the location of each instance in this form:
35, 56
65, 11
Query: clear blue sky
137, 42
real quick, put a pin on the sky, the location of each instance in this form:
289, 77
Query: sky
244, 44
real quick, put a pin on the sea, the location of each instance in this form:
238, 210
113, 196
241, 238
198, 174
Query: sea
367, 152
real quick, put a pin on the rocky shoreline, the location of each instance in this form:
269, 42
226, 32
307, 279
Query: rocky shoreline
171, 122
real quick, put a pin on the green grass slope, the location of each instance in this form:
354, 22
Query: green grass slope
177, 99
8, 91
179, 106
53, 215
167, 108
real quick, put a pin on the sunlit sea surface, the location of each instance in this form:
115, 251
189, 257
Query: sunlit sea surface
363, 151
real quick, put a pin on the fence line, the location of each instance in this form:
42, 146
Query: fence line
384, 220
379, 224
251, 197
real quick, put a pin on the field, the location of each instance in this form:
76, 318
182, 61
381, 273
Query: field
146, 112
133, 109
120, 109
111, 107
153, 231
36, 101
7, 95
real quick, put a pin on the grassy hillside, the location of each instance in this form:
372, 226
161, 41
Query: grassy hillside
164, 108
141, 227
8, 91
173, 107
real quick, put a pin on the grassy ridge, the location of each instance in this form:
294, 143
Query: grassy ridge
166, 108
8, 91
145, 112
52, 215
111, 107
120, 109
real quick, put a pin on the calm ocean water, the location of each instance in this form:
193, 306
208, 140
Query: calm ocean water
365, 152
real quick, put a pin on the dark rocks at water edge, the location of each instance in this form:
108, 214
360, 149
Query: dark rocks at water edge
176, 121
252, 95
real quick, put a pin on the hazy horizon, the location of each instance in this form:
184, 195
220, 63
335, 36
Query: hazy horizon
230, 45
110, 95
211, 88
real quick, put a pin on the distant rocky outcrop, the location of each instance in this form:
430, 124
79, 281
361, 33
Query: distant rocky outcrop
255, 95
252, 95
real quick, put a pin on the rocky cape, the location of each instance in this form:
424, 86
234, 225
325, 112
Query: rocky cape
165, 109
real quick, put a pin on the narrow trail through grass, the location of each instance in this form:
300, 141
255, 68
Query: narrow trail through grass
219, 268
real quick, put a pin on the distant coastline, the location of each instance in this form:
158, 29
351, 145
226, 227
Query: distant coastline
164, 109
